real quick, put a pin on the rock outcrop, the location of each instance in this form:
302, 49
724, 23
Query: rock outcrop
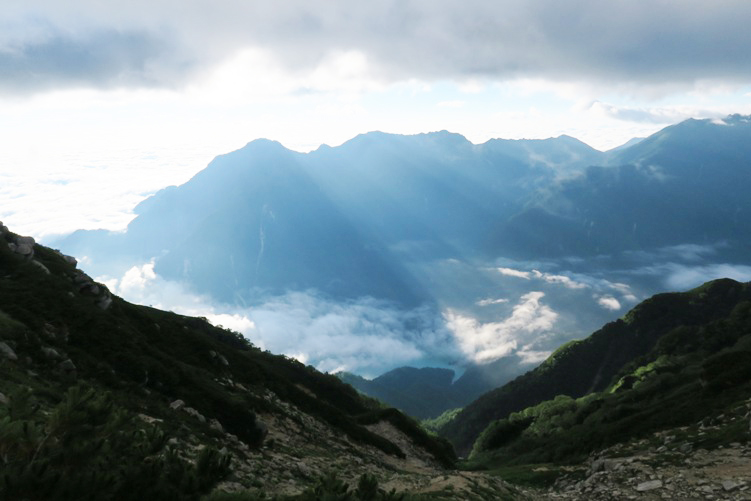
673, 464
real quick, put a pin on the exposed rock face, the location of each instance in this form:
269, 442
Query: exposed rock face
87, 286
23, 246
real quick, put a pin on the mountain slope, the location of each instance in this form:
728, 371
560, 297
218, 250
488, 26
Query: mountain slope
694, 175
692, 390
70, 351
264, 219
589, 365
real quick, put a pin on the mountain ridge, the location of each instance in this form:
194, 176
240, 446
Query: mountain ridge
581, 367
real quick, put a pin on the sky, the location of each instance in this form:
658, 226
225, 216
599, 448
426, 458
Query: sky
103, 103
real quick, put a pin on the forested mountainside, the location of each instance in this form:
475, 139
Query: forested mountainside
673, 359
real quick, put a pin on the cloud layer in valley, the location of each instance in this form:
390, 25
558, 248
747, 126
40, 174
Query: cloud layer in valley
365, 335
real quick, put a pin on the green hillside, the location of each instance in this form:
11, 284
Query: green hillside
678, 333
103, 399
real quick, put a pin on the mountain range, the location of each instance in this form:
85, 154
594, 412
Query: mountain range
436, 252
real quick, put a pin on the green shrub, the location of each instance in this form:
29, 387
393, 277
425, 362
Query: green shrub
88, 448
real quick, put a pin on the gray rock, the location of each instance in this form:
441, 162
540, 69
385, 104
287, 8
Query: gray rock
730, 485
40, 266
216, 425
51, 353
263, 429
3, 399
67, 366
25, 241
649, 485
104, 302
70, 260
218, 357
304, 470
7, 351
177, 405
24, 250
193, 412
81, 278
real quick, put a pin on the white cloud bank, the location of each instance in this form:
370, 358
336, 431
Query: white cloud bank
367, 336
486, 342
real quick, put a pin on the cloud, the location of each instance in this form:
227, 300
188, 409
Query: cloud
104, 58
141, 43
514, 273
451, 104
559, 279
365, 335
609, 303
532, 357
682, 277
658, 115
489, 301
486, 342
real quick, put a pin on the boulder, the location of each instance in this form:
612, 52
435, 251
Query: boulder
40, 266
24, 246
649, 485
177, 405
731, 485
3, 399
216, 425
104, 302
219, 358
51, 353
263, 430
7, 351
193, 412
67, 366
25, 241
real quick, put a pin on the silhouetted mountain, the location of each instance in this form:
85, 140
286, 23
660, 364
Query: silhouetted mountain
264, 219
428, 392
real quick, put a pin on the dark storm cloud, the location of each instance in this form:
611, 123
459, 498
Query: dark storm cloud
660, 42
101, 59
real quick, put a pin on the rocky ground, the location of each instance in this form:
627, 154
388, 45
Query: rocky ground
300, 449
688, 463
683, 464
